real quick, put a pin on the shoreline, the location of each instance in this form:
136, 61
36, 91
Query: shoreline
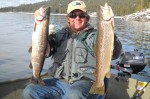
58, 14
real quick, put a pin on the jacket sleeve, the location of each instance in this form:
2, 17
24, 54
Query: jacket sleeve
117, 48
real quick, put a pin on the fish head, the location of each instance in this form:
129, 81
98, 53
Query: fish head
41, 14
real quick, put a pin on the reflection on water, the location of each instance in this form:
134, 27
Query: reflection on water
135, 35
16, 32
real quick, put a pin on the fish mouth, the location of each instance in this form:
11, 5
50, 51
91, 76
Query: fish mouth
106, 12
42, 14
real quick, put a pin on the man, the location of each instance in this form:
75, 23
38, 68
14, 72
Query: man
72, 49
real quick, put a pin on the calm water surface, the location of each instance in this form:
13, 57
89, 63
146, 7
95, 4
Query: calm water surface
15, 39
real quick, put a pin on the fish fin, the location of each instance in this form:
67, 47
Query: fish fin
34, 27
108, 74
30, 65
30, 50
94, 49
38, 81
97, 90
95, 73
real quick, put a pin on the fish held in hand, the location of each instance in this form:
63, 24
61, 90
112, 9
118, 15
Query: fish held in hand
39, 43
104, 48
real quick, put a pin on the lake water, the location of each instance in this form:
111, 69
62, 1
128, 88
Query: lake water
15, 39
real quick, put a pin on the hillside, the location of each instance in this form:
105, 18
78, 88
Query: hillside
120, 7
143, 15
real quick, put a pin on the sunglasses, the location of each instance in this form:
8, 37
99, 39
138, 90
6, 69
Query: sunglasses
81, 15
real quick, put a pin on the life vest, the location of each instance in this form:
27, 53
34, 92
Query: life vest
74, 55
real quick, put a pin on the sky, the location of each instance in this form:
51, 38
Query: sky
6, 3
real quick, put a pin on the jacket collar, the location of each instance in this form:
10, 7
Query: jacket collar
88, 27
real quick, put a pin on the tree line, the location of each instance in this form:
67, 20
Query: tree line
120, 7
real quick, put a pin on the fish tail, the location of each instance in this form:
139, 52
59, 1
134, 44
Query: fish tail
97, 90
30, 65
38, 81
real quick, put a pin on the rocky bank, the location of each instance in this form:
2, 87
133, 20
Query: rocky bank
143, 15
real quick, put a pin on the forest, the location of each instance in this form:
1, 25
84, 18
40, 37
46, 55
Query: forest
120, 7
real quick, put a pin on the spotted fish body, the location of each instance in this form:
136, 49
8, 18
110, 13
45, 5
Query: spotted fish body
39, 43
104, 48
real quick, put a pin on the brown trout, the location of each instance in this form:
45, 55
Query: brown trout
39, 43
104, 48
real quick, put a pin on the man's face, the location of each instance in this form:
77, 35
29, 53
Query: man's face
77, 20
